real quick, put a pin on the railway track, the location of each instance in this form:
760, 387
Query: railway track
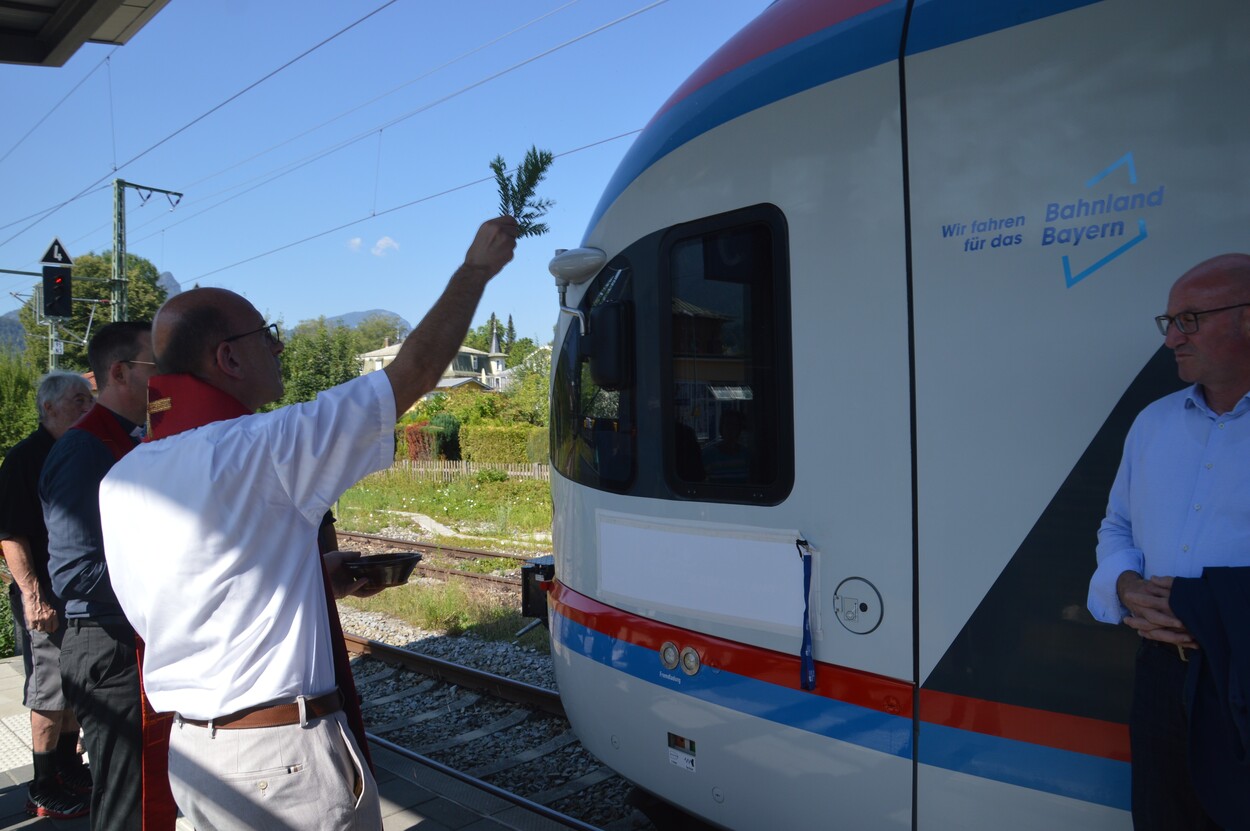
505, 736
372, 543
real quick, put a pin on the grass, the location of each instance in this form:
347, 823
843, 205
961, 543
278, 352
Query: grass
455, 609
479, 505
498, 513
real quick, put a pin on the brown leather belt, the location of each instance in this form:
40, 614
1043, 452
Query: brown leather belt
273, 715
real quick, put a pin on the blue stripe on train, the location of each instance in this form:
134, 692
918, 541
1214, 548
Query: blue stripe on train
1047, 769
862, 42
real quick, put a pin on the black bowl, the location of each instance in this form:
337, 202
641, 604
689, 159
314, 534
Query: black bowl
391, 569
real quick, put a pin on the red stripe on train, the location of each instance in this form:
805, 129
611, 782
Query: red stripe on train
777, 26
888, 695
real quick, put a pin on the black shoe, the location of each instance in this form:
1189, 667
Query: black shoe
76, 780
56, 803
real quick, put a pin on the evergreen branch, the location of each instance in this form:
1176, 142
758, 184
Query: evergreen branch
516, 193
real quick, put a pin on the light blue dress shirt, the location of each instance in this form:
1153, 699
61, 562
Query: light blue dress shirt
1181, 499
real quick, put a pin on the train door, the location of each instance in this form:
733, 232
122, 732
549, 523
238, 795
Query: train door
1066, 164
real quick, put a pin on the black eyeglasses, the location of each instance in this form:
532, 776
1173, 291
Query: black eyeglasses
272, 334
1187, 322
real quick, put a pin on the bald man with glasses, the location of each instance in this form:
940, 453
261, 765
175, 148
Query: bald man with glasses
224, 581
1180, 503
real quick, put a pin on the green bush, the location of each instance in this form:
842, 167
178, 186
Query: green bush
538, 446
423, 441
449, 440
6, 625
401, 442
490, 474
494, 443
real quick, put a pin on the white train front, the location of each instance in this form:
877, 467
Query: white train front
880, 277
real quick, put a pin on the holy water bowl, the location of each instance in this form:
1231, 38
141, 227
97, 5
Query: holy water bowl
392, 569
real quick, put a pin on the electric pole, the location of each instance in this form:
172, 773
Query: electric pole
120, 279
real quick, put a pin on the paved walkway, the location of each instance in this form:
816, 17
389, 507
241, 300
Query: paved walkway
413, 796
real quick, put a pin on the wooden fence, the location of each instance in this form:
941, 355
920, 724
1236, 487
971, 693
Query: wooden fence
446, 471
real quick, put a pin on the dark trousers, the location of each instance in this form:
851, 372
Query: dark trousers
100, 674
1163, 793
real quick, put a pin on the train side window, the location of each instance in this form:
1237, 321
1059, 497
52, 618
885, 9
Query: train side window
593, 436
729, 389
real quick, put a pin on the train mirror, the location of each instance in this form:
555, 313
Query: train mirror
611, 345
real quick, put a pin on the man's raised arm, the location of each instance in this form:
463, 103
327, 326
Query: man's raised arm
434, 343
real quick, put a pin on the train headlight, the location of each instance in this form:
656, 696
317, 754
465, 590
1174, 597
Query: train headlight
689, 660
668, 655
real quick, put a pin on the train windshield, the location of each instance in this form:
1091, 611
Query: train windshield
592, 429
728, 360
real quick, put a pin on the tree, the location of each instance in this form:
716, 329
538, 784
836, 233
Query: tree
521, 350
479, 338
18, 383
473, 405
509, 336
379, 330
318, 355
527, 396
91, 275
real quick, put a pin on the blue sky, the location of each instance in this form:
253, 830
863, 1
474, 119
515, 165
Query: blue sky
373, 144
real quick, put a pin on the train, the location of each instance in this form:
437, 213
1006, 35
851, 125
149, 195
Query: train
844, 365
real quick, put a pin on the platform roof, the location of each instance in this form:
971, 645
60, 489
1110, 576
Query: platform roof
49, 32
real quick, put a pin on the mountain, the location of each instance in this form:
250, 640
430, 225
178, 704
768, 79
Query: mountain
12, 336
351, 319
169, 284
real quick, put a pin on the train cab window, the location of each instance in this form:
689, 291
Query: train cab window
593, 436
729, 393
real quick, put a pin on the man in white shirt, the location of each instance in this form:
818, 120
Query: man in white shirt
222, 580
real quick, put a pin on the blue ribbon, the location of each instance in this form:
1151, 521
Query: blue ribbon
807, 664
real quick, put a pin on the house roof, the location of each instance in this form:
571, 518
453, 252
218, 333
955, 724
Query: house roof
393, 350
450, 383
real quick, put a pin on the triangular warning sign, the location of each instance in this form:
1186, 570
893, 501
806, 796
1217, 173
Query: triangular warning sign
56, 255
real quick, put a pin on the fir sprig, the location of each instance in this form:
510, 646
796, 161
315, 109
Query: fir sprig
516, 194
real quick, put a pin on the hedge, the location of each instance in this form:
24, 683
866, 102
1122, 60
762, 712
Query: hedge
538, 446
488, 443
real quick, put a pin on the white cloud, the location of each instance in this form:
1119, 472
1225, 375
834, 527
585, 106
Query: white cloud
354, 243
383, 245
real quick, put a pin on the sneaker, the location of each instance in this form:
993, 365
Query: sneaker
56, 803
77, 780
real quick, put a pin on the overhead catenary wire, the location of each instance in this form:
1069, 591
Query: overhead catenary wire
458, 92
202, 116
54, 108
269, 177
39, 216
284, 170
319, 154
426, 74
395, 208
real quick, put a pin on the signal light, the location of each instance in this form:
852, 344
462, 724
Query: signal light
57, 291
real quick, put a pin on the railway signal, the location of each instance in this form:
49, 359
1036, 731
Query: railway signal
57, 283
57, 291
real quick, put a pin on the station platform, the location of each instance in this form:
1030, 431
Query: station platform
413, 796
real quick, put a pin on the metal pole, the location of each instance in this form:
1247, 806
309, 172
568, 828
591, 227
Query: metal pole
118, 294
120, 279
52, 356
